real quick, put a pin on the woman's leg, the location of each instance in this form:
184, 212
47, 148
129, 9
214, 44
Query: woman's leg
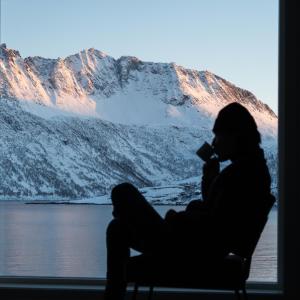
117, 245
147, 228
136, 225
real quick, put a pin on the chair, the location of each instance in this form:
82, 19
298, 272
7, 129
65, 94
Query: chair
230, 273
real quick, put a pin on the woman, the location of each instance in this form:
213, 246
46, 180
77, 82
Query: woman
224, 221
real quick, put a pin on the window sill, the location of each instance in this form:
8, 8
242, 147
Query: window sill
73, 288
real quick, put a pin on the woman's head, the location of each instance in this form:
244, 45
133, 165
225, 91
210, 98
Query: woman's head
235, 132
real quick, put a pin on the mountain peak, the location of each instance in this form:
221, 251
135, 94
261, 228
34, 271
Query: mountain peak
93, 51
81, 82
7, 52
128, 58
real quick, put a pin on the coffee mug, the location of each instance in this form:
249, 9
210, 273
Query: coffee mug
205, 152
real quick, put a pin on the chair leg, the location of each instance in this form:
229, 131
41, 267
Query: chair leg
135, 291
245, 294
238, 295
150, 292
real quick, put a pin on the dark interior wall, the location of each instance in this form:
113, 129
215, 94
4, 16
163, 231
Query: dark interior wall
289, 138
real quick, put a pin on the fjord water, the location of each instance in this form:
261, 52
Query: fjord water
57, 240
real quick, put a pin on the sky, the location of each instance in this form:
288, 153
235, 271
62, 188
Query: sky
235, 39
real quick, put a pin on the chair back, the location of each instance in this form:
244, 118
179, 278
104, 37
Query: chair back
248, 240
246, 243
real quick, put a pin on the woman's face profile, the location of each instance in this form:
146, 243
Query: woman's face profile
224, 145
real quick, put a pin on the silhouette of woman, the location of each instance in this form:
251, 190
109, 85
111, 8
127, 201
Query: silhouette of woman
219, 224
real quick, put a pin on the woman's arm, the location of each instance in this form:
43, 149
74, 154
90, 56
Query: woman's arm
211, 169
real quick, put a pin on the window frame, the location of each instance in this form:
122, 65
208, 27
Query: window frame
287, 286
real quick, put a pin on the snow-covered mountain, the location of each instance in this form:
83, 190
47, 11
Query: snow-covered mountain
74, 127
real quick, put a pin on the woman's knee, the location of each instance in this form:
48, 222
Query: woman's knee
122, 197
122, 190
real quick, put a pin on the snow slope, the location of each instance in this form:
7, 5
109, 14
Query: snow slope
72, 128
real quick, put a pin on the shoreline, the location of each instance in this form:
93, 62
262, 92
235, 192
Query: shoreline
72, 202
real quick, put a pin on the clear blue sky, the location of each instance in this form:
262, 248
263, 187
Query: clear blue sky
235, 39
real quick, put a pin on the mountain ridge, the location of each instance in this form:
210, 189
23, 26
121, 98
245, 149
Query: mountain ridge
72, 128
92, 74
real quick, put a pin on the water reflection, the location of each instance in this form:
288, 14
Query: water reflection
69, 241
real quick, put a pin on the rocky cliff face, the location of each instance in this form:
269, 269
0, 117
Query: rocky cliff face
74, 127
85, 82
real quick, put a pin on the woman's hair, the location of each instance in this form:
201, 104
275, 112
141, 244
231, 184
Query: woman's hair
235, 119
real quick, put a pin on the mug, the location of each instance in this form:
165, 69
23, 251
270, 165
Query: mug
205, 152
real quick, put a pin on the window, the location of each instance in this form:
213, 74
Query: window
61, 218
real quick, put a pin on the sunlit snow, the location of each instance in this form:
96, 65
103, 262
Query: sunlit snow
72, 128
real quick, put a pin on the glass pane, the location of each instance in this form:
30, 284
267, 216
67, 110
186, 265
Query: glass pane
103, 92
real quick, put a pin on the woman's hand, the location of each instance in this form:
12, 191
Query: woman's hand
170, 214
196, 205
211, 168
